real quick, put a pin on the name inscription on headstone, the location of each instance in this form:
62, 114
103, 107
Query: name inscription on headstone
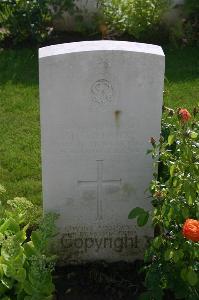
98, 141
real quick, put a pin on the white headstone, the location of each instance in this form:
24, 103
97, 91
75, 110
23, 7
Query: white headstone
100, 103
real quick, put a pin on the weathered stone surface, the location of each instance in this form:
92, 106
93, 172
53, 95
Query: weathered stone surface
100, 103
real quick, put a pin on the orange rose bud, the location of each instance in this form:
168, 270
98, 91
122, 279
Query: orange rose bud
184, 115
191, 230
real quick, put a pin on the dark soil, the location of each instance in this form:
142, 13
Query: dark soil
99, 281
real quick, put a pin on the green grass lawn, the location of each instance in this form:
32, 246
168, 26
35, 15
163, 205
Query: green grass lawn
182, 78
20, 162
20, 167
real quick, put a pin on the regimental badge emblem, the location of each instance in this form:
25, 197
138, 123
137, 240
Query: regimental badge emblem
102, 91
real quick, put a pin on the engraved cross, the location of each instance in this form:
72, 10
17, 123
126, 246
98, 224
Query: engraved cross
100, 182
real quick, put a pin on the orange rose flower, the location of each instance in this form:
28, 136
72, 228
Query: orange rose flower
191, 230
184, 115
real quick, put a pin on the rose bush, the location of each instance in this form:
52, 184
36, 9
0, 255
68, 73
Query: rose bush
172, 259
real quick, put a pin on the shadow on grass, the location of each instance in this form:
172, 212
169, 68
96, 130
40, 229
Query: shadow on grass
182, 64
19, 66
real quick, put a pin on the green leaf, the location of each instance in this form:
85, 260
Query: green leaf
48, 287
7, 270
135, 212
190, 200
37, 240
157, 242
29, 249
197, 212
183, 274
142, 219
172, 170
194, 135
21, 275
28, 287
1, 271
178, 255
2, 189
175, 182
192, 277
168, 254
170, 213
21, 235
171, 139
189, 192
185, 212
20, 258
11, 250
10, 224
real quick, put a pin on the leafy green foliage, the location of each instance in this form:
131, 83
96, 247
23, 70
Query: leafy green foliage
135, 17
186, 29
31, 20
24, 211
192, 8
141, 215
191, 26
172, 260
25, 264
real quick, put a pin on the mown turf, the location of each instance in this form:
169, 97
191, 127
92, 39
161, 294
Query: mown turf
20, 162
182, 78
20, 168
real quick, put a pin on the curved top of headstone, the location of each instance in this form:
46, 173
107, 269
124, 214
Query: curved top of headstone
102, 45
